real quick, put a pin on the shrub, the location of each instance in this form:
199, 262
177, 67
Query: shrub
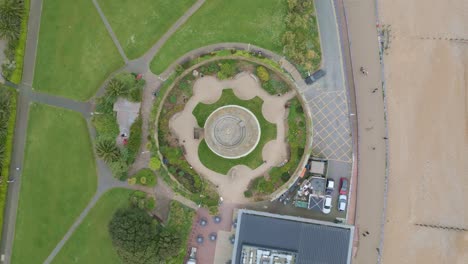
106, 125
131, 181
228, 69
248, 193
173, 99
145, 177
134, 140
107, 150
150, 204
263, 74
155, 163
143, 180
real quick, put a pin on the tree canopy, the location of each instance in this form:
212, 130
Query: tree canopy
139, 239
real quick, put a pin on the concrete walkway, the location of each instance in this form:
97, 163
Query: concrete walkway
371, 185
208, 90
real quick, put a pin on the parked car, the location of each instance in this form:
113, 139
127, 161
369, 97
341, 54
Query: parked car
315, 76
344, 186
342, 202
327, 204
330, 185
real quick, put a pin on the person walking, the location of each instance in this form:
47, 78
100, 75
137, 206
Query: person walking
364, 71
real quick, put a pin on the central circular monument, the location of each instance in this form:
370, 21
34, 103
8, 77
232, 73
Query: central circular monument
232, 131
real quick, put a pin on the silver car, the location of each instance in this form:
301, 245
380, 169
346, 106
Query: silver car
342, 199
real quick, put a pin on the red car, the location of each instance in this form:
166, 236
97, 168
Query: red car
344, 186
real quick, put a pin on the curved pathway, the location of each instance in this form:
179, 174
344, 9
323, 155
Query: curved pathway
245, 86
27, 95
153, 82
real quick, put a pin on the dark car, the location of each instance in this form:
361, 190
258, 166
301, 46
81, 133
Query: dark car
344, 186
315, 76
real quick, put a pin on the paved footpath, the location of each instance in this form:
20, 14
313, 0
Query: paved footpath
371, 185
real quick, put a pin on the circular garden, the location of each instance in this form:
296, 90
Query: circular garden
213, 104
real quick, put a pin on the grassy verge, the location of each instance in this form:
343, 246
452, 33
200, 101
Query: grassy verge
7, 146
20, 49
255, 158
59, 179
91, 242
258, 22
138, 25
75, 52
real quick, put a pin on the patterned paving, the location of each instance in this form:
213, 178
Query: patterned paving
331, 132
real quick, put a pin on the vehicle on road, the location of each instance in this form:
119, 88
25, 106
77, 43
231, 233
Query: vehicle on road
342, 199
327, 204
344, 185
315, 76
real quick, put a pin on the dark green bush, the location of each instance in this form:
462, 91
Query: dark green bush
134, 140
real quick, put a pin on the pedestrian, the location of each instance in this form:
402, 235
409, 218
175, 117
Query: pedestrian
363, 71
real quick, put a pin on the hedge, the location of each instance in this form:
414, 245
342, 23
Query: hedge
20, 49
9, 149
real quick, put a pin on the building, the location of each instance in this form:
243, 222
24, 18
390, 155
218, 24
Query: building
264, 238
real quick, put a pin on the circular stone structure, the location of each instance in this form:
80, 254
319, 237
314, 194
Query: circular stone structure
232, 131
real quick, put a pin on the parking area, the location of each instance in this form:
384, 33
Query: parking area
308, 196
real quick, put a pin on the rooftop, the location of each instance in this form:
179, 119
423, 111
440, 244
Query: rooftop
306, 241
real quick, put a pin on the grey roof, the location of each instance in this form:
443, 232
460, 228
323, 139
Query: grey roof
314, 241
127, 113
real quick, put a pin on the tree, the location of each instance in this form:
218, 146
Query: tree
169, 244
115, 88
11, 13
135, 236
107, 150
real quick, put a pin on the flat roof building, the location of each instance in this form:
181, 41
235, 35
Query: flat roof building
271, 238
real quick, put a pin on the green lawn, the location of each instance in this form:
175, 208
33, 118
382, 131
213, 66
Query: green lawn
58, 181
259, 22
75, 52
91, 242
138, 25
254, 159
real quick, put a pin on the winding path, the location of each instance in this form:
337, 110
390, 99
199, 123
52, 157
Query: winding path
153, 82
27, 95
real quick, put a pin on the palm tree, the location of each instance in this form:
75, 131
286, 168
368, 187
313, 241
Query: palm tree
11, 13
115, 88
107, 150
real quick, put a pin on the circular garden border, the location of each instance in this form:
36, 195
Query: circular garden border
271, 65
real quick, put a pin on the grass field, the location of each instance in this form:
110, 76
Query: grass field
75, 52
138, 25
258, 22
91, 242
58, 180
255, 158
